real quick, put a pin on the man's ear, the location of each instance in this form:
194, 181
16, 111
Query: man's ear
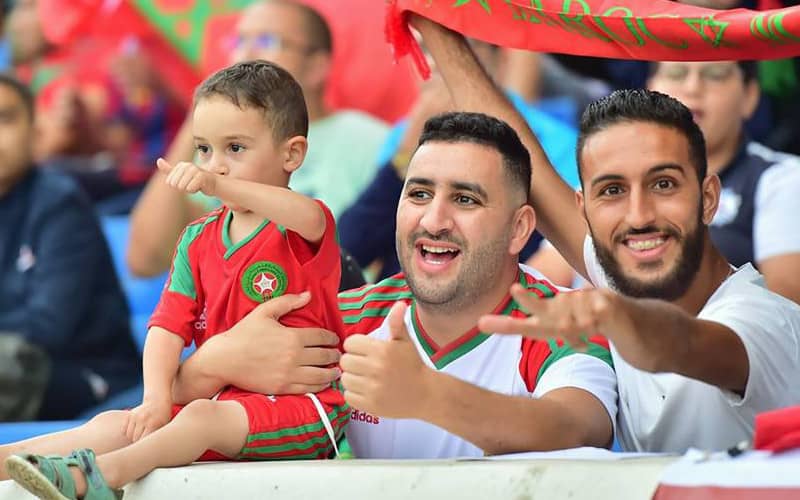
523, 224
318, 68
294, 153
752, 94
711, 189
580, 201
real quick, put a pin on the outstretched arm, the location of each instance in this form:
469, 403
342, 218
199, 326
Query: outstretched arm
652, 335
473, 90
388, 378
283, 206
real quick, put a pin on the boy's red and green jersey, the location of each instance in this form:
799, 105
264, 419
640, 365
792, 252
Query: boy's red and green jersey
214, 283
508, 364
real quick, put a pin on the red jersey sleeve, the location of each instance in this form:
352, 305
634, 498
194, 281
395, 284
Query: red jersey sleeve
317, 259
179, 309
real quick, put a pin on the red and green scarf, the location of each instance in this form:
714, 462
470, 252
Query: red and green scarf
653, 30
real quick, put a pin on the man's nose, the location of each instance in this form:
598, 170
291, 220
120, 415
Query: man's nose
438, 217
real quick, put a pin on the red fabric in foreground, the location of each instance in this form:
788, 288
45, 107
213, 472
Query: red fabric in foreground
778, 430
653, 30
715, 493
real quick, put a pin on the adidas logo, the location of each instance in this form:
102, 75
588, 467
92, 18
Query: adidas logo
361, 416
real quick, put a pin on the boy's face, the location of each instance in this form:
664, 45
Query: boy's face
237, 142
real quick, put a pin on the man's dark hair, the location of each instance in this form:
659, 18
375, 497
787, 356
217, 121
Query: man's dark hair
22, 91
318, 32
485, 130
644, 106
265, 86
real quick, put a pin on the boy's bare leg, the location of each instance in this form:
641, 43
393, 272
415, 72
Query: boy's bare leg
203, 424
103, 433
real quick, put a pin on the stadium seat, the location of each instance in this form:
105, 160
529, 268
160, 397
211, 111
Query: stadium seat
142, 293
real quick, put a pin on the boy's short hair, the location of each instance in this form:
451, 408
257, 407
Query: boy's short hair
265, 86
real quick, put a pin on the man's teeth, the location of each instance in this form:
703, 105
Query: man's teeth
430, 249
645, 244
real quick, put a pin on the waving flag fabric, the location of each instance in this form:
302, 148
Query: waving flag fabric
188, 39
653, 30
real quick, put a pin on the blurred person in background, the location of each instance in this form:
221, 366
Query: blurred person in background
103, 113
63, 317
343, 145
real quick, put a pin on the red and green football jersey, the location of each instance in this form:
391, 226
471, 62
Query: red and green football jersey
507, 364
214, 283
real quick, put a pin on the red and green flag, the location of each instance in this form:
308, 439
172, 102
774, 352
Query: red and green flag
654, 30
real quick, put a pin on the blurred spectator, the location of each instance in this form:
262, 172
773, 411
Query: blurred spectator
757, 216
367, 229
103, 115
58, 290
342, 144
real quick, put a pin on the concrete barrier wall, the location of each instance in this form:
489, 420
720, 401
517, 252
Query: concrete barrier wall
630, 479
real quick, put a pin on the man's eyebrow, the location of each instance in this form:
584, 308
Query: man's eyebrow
606, 178
419, 180
469, 186
666, 166
652, 170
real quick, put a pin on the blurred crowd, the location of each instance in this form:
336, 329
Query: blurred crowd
90, 227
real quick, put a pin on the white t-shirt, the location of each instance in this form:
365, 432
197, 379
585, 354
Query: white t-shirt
508, 364
665, 412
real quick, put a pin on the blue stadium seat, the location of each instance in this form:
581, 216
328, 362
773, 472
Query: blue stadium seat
142, 293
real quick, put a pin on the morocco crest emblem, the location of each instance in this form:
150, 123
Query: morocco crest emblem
264, 280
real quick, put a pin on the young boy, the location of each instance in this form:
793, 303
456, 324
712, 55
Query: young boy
249, 123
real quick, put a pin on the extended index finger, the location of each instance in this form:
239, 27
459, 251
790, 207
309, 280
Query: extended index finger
163, 165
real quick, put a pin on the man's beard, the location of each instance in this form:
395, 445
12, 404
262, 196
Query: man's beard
479, 269
670, 287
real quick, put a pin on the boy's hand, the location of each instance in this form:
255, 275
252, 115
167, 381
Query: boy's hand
188, 177
149, 416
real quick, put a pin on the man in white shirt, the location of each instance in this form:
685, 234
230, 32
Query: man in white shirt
694, 367
425, 382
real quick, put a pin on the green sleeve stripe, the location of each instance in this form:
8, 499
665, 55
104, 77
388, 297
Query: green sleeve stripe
378, 312
387, 283
559, 352
181, 279
394, 297
546, 291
